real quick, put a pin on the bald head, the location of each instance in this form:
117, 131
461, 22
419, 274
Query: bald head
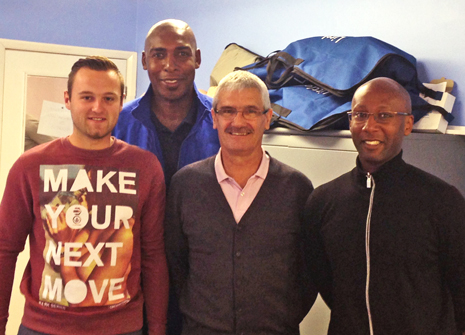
171, 57
178, 27
390, 88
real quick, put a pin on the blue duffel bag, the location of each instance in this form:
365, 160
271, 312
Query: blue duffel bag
312, 80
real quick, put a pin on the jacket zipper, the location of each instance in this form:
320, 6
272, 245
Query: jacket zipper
370, 183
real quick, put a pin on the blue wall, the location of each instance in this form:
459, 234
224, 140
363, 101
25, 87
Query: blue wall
430, 30
103, 24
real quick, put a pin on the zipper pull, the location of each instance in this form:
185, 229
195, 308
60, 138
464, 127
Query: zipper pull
369, 177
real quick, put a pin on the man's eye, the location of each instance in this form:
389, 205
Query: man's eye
110, 99
228, 111
360, 115
385, 115
252, 112
158, 55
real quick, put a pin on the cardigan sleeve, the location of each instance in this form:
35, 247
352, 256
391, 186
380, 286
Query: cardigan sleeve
175, 240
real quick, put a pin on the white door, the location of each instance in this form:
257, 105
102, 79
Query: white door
20, 64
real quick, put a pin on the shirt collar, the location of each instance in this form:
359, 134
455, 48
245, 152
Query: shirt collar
192, 114
188, 120
262, 170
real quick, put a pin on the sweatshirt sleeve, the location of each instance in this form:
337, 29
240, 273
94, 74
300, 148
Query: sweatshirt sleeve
154, 267
16, 218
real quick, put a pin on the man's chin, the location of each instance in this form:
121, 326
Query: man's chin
98, 135
173, 93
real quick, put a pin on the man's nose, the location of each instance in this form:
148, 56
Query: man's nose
239, 118
97, 105
370, 122
170, 62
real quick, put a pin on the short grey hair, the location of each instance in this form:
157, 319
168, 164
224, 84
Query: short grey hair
239, 80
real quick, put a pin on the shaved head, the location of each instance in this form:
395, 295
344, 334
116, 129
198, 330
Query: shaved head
390, 88
171, 57
177, 26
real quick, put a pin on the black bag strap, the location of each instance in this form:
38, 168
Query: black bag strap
279, 60
280, 110
260, 63
336, 121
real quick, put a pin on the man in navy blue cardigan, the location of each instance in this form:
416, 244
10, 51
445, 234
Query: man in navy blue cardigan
233, 229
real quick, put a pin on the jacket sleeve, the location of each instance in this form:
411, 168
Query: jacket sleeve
16, 218
450, 217
154, 267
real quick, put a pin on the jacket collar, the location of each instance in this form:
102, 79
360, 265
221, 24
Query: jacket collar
388, 174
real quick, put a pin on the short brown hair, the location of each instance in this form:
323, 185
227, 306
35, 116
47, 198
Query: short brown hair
97, 63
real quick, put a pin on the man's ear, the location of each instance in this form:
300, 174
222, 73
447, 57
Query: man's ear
268, 115
198, 58
67, 100
408, 125
214, 118
144, 60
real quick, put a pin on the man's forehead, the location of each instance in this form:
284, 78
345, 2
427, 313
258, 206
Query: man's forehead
88, 80
376, 99
245, 97
86, 73
87, 91
165, 48
170, 35
377, 106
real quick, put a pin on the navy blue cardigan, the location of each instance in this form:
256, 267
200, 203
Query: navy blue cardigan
246, 277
